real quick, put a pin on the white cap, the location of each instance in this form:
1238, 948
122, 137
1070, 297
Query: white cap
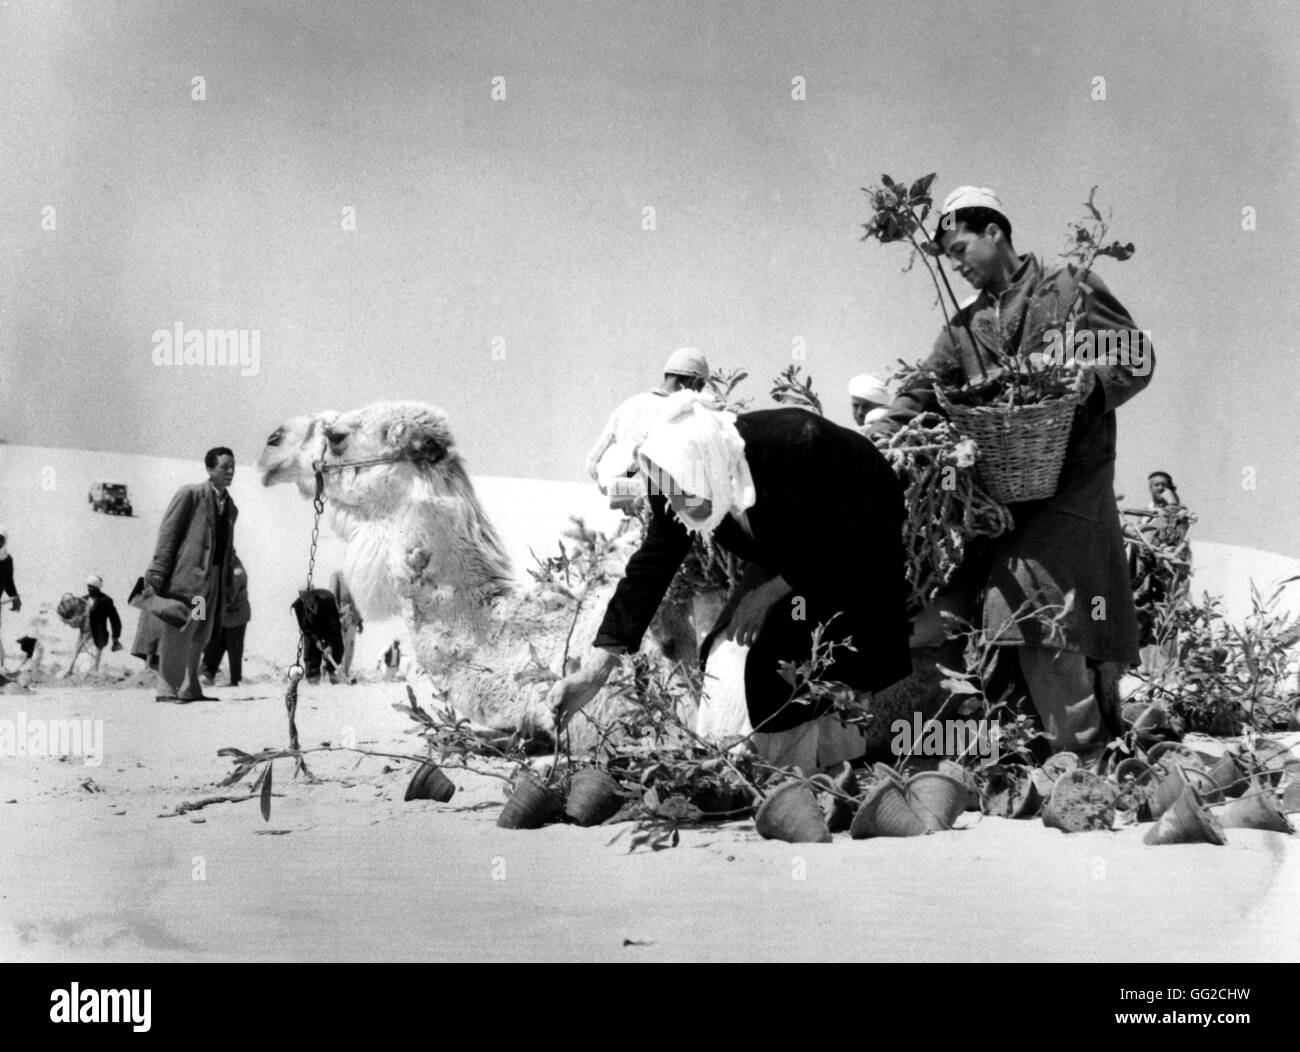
94, 581
869, 388
968, 197
687, 362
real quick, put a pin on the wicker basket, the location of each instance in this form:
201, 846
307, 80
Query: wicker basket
1021, 448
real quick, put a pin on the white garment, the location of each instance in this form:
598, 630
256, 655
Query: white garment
615, 451
694, 446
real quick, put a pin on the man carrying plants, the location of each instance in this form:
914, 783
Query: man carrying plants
1071, 541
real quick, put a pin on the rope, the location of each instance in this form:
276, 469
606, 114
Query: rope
297, 670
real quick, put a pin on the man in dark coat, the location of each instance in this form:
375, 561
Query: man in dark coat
812, 504
192, 561
318, 618
1073, 541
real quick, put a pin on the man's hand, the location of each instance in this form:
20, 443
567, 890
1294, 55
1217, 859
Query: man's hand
154, 580
570, 694
753, 609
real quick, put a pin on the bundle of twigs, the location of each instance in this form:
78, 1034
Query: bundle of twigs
945, 504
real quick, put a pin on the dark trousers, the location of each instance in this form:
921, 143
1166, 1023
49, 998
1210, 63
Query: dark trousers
226, 640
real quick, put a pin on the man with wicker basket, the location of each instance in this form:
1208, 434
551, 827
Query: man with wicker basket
1070, 541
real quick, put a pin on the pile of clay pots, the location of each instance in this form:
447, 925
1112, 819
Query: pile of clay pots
875, 803
585, 796
1186, 799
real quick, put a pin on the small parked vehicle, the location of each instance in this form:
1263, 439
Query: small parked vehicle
110, 498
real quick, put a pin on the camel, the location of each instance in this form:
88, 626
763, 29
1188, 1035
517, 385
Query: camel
419, 544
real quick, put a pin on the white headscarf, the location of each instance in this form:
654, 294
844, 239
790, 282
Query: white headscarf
697, 445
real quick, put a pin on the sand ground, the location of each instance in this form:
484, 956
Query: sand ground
345, 870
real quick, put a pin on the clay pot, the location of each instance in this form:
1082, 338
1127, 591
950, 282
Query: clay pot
429, 783
839, 787
1168, 789
1081, 802
1141, 772
532, 804
967, 778
1186, 822
791, 813
1060, 763
1206, 787
1008, 795
938, 799
593, 797
882, 770
1173, 752
1229, 776
885, 812
1257, 809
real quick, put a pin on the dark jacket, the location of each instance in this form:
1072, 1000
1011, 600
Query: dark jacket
187, 554
100, 616
1072, 541
318, 618
828, 519
7, 577
236, 608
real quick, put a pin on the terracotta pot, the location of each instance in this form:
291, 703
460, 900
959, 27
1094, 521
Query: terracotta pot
429, 783
1168, 789
791, 813
839, 786
593, 797
1175, 751
967, 778
1229, 776
1060, 763
1139, 771
1257, 809
532, 804
1011, 795
1081, 802
885, 812
1186, 822
882, 770
938, 798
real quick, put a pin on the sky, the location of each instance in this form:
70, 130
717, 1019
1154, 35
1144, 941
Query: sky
499, 261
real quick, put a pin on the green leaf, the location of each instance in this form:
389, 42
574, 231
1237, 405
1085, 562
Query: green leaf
959, 686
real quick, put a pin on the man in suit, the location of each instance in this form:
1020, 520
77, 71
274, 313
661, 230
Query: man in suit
193, 562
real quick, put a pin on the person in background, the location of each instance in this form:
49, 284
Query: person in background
229, 638
349, 620
7, 587
33, 655
99, 614
192, 560
612, 460
318, 619
869, 398
392, 660
1164, 494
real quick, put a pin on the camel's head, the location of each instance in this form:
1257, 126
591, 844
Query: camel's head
399, 495
292, 450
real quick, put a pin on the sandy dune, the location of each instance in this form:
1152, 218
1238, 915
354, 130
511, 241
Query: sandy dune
345, 870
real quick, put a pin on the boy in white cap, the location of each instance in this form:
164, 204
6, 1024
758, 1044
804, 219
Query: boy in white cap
100, 613
869, 396
1071, 542
612, 460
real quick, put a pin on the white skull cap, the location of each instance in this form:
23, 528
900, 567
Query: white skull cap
968, 197
687, 361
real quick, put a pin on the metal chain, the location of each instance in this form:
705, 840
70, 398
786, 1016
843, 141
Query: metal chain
318, 503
